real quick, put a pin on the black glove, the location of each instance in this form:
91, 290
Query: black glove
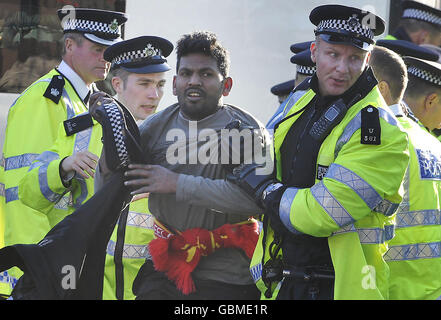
272, 196
253, 184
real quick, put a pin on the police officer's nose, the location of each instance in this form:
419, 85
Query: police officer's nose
342, 66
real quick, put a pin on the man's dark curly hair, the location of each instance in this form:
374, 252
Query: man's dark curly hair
204, 42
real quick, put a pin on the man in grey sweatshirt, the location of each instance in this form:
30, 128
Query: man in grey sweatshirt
190, 153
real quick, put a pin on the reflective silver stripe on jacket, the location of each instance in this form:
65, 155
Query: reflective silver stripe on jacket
6, 278
366, 192
370, 235
331, 205
11, 194
285, 208
414, 251
20, 161
256, 272
61, 200
44, 185
64, 203
2, 190
140, 220
46, 156
82, 140
130, 251
419, 218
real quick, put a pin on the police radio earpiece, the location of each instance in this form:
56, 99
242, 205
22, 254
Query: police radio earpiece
330, 118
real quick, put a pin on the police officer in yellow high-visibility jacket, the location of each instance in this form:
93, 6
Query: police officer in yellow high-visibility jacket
340, 159
67, 169
34, 118
414, 253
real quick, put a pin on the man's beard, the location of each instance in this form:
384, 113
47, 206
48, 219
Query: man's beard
199, 111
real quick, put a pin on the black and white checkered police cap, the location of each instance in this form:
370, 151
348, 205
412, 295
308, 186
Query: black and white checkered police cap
99, 26
419, 11
304, 63
339, 24
428, 71
143, 55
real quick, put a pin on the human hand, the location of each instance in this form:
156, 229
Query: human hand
145, 178
83, 163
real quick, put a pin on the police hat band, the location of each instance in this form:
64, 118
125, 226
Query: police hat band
422, 15
352, 25
92, 26
308, 70
425, 75
149, 52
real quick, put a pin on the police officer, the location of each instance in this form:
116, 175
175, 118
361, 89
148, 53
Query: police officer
305, 67
61, 94
340, 160
282, 90
139, 67
423, 91
420, 24
417, 230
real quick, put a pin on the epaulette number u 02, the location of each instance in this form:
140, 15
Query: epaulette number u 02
370, 126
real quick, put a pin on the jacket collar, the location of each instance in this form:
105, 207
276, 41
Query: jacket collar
79, 85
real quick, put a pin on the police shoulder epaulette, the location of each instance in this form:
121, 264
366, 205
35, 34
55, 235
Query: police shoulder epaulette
78, 123
370, 126
55, 88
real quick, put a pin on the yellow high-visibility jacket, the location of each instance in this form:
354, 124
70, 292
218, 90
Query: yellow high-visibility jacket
31, 128
353, 205
414, 255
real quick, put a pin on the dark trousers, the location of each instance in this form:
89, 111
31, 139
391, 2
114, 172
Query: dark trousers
306, 290
150, 284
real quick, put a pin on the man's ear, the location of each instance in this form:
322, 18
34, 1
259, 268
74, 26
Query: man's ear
117, 84
228, 84
313, 51
174, 86
68, 44
383, 86
431, 101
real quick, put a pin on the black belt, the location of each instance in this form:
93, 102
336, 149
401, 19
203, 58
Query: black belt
275, 271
